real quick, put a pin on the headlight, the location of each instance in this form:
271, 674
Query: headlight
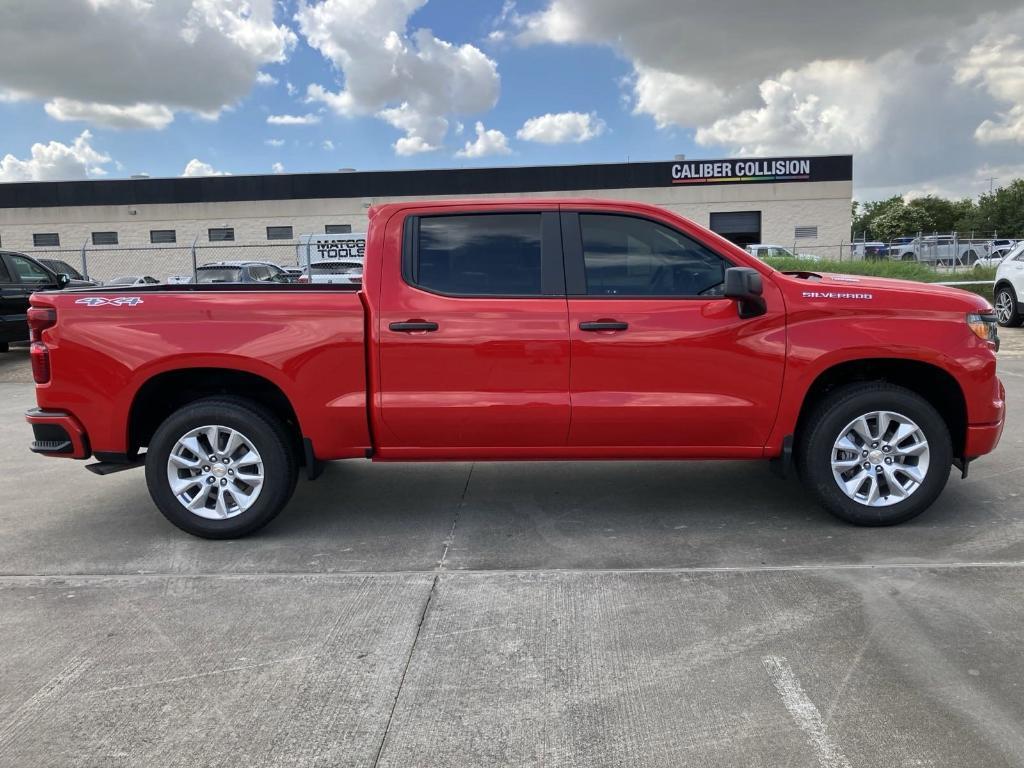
984, 327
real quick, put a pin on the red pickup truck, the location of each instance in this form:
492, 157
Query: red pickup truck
521, 329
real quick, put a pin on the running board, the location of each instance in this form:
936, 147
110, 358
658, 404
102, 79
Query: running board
110, 467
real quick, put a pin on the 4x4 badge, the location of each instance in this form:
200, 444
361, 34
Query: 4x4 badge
100, 301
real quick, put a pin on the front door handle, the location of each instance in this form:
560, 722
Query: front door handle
411, 326
604, 325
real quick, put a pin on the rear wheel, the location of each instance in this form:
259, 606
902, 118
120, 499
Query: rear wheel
1007, 311
220, 468
875, 453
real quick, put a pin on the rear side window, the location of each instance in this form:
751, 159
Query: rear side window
628, 256
479, 254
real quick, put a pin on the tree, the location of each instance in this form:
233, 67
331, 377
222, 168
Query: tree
1002, 211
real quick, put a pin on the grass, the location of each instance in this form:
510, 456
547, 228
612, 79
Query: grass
900, 270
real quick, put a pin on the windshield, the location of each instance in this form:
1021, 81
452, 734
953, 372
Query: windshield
218, 275
62, 268
1015, 252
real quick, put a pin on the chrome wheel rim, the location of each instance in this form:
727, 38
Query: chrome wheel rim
1004, 307
215, 472
880, 459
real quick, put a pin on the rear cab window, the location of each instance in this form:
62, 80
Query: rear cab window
504, 255
218, 274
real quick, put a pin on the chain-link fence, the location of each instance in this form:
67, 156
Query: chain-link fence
164, 263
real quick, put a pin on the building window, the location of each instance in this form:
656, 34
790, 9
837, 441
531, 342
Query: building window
46, 240
805, 231
104, 238
279, 233
337, 229
221, 234
163, 236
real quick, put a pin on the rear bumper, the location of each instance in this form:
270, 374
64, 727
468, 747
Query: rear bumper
57, 433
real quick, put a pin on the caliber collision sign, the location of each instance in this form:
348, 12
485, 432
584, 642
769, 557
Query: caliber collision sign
766, 171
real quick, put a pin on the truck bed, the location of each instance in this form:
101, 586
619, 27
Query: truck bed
112, 345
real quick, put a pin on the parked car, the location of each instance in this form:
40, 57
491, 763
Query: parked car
133, 280
995, 258
870, 251
938, 249
763, 251
333, 271
20, 277
179, 279
243, 272
525, 329
60, 267
1009, 288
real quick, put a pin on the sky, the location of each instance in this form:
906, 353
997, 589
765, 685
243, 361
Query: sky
928, 95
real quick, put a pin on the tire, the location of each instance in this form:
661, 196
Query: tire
221, 513
829, 421
1007, 310
908, 257
970, 259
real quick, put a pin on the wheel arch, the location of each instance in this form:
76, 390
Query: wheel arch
164, 393
931, 382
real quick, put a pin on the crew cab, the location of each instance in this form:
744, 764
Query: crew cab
521, 329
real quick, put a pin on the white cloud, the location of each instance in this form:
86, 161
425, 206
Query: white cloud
997, 63
197, 167
307, 119
274, 142
262, 78
562, 127
832, 106
328, 145
129, 63
56, 162
292, 90
414, 81
153, 116
488, 142
277, 168
898, 84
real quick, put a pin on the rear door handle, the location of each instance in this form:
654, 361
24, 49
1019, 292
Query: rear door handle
413, 325
604, 325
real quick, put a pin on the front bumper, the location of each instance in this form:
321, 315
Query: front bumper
57, 433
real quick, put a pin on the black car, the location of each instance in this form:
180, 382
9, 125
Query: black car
243, 272
20, 277
59, 267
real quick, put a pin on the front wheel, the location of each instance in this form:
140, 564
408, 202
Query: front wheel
220, 468
1007, 314
875, 453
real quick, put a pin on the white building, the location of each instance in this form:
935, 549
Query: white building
796, 201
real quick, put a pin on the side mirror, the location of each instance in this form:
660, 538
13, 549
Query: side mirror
63, 280
745, 286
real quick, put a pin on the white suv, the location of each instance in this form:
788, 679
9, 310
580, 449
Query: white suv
1010, 287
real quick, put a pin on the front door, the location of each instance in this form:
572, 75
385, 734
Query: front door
20, 277
474, 336
660, 359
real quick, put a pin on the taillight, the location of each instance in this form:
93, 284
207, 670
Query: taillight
39, 319
40, 362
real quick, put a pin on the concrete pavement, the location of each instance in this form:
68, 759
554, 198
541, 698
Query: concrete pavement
640, 614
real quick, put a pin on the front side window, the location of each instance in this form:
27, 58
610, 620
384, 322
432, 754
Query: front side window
627, 256
30, 272
480, 254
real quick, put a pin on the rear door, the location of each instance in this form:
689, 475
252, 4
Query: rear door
473, 330
20, 278
660, 359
